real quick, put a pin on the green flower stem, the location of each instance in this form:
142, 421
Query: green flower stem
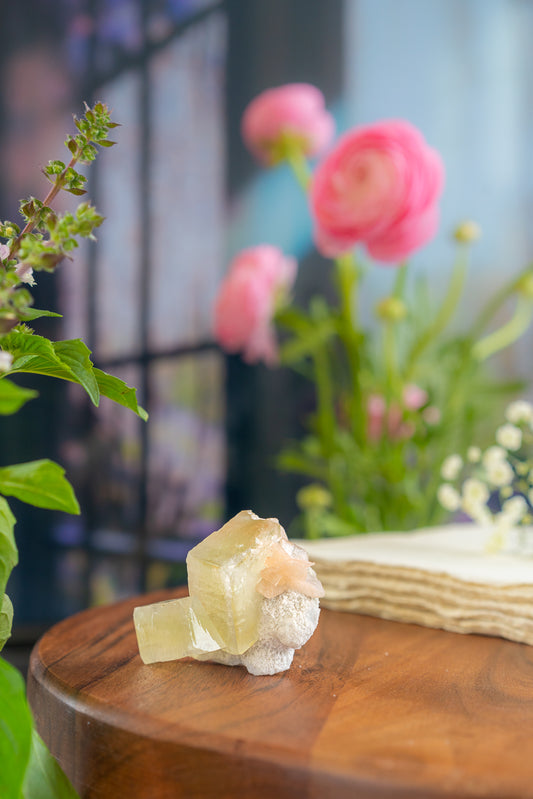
389, 351
389, 338
400, 280
496, 302
347, 277
325, 402
50, 197
506, 334
300, 167
445, 312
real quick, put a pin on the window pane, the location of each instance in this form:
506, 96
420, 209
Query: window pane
117, 290
187, 184
186, 451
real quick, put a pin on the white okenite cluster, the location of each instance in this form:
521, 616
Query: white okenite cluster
286, 623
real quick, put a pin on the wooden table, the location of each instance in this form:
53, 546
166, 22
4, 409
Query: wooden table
370, 708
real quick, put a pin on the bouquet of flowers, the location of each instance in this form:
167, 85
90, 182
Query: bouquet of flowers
494, 487
390, 401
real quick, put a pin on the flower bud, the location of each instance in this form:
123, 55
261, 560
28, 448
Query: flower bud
391, 309
467, 232
6, 361
525, 285
314, 497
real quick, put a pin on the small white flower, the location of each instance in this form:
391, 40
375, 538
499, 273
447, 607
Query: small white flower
448, 497
476, 510
473, 454
514, 510
509, 436
451, 467
6, 361
499, 473
493, 455
519, 411
475, 491
24, 273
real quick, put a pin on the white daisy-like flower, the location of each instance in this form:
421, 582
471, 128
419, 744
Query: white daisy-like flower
475, 491
473, 454
499, 473
519, 411
448, 497
514, 509
477, 511
509, 436
493, 455
6, 361
451, 467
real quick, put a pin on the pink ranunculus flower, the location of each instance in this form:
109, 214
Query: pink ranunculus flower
258, 281
296, 110
379, 186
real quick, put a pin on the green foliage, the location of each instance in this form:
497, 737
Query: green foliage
8, 548
15, 732
6, 620
41, 483
13, 397
117, 390
67, 360
381, 467
43, 778
27, 770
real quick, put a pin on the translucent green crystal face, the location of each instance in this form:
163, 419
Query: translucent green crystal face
170, 630
223, 575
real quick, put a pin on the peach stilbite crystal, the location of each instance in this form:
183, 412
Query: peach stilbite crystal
253, 600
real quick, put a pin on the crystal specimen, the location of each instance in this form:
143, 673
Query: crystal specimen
253, 600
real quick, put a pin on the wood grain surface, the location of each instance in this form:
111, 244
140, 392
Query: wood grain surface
370, 708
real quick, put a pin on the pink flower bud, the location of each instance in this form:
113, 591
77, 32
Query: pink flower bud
414, 397
379, 186
294, 112
259, 280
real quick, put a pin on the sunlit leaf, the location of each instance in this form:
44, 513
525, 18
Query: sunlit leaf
44, 778
6, 620
41, 483
15, 731
8, 548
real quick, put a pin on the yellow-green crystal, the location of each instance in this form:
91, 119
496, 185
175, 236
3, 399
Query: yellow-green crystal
223, 573
223, 609
170, 630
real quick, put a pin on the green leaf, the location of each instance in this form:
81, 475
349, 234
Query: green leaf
29, 314
41, 483
6, 620
8, 548
75, 354
117, 390
308, 343
15, 731
13, 397
34, 354
68, 360
44, 778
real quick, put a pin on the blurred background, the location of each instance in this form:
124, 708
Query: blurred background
181, 196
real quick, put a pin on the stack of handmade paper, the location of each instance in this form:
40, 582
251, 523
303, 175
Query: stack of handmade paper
438, 577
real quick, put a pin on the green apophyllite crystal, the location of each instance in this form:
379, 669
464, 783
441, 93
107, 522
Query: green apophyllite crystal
223, 575
222, 611
170, 630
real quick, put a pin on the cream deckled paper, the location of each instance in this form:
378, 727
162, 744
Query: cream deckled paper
439, 577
